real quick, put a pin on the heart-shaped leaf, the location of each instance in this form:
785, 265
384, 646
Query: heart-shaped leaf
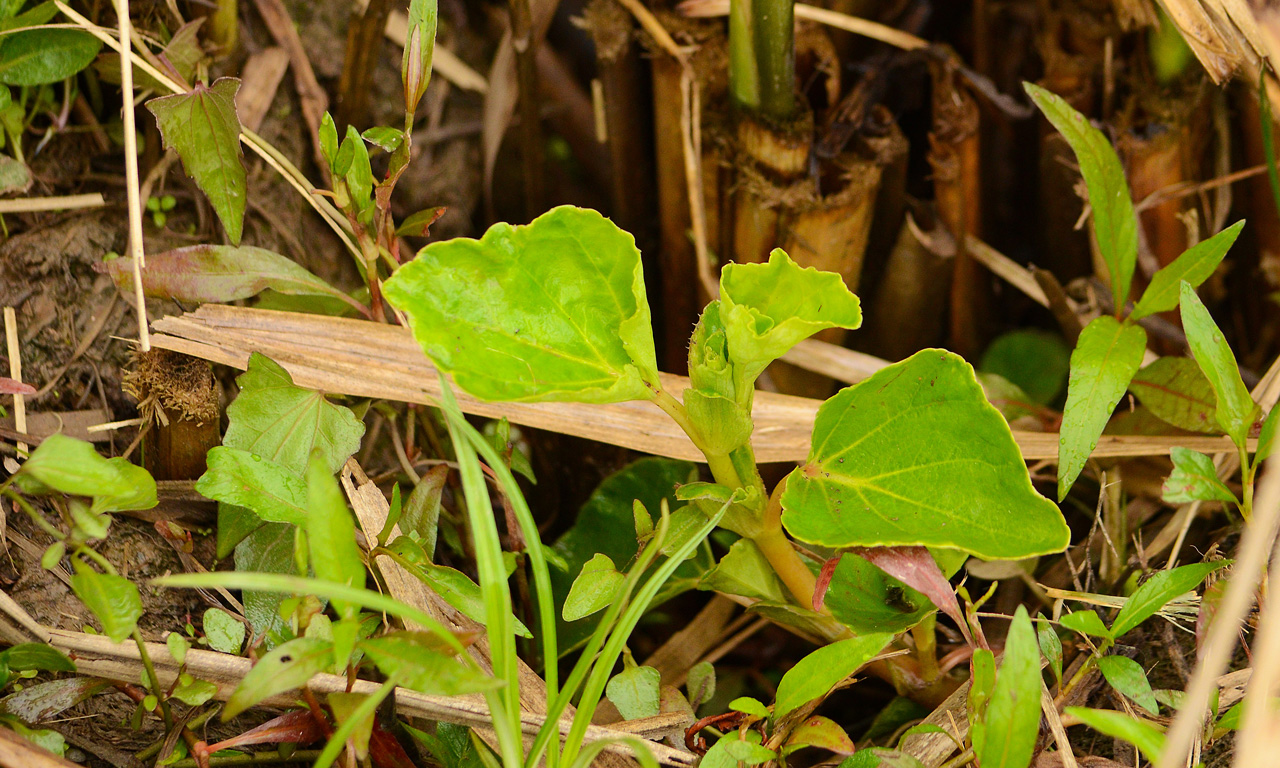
555, 310
595, 588
915, 455
635, 692
246, 479
203, 128
1106, 357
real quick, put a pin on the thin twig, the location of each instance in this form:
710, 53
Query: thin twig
136, 250
61, 203
15, 373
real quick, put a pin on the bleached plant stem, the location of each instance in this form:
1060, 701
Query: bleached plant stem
1246, 573
136, 251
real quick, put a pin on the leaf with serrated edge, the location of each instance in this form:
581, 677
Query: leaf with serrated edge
287, 667
915, 455
282, 422
1236, 410
1013, 716
245, 479
1114, 223
768, 308
1158, 590
816, 674
554, 310
1106, 357
1176, 391
215, 273
1194, 478
203, 128
1120, 725
1195, 266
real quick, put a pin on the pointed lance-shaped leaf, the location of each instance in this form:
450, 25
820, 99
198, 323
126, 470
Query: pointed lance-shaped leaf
1236, 410
203, 128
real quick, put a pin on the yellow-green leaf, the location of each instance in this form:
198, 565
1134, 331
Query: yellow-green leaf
1194, 266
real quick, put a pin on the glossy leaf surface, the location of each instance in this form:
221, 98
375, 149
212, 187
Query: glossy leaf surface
67, 465
114, 600
915, 455
203, 128
554, 310
1106, 357
816, 674
244, 479
287, 667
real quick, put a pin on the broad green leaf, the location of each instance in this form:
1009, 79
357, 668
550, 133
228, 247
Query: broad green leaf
67, 465
1106, 357
1236, 410
820, 732
218, 273
1267, 436
1012, 718
554, 310
114, 600
816, 674
269, 549
1127, 677
282, 422
419, 224
245, 479
744, 571
331, 533
634, 692
1194, 478
224, 632
203, 128
287, 667
734, 750
42, 701
1158, 590
194, 692
37, 656
595, 588
1086, 622
1148, 738
768, 308
328, 135
1034, 360
43, 56
48, 740
359, 176
866, 599
749, 706
384, 137
1176, 391
234, 524
1007, 397
178, 646
1193, 266
1114, 223
419, 660
604, 525
915, 455
35, 16
1051, 649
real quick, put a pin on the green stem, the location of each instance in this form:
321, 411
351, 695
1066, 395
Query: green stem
777, 549
152, 678
1247, 473
773, 22
744, 77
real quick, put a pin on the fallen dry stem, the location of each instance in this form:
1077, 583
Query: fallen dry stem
131, 172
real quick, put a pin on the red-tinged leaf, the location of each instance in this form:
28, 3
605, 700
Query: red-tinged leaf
419, 224
11, 387
298, 727
916, 568
203, 128
386, 751
824, 581
209, 273
820, 732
